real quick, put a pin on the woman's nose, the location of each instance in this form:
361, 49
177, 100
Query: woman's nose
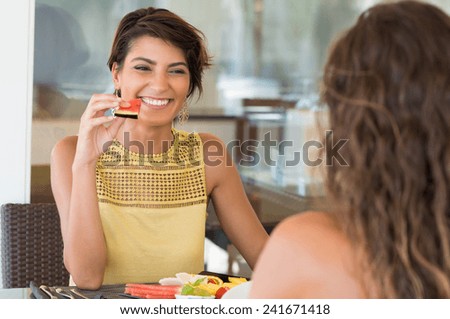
159, 81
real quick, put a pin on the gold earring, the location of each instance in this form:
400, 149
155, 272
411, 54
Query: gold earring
183, 115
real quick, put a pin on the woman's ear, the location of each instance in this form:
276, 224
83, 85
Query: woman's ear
115, 75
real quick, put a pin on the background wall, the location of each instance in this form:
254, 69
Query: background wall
16, 32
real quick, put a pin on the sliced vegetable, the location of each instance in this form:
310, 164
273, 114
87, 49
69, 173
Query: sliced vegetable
214, 280
154, 291
221, 291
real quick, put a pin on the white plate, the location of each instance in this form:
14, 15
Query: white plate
240, 291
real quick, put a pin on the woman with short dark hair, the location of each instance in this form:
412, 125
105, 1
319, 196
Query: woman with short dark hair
132, 192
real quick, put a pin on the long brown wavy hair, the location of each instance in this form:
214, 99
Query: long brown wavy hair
387, 86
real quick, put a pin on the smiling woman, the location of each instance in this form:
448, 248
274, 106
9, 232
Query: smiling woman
132, 193
157, 73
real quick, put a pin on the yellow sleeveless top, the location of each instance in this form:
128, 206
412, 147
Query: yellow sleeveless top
153, 210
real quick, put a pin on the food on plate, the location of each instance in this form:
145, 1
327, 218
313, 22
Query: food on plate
130, 112
207, 286
185, 285
180, 279
210, 286
221, 291
152, 291
214, 280
234, 281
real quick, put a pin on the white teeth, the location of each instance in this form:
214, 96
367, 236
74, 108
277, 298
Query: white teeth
154, 102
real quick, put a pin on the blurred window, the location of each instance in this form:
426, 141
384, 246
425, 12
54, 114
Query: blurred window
262, 49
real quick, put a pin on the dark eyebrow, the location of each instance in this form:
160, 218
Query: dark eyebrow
150, 61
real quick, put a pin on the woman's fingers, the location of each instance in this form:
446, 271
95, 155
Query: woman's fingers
101, 120
124, 104
100, 103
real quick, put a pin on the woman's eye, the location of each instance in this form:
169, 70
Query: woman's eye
142, 68
177, 71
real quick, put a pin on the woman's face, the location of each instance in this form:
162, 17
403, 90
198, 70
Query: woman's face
157, 73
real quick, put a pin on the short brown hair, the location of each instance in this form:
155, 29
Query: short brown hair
165, 25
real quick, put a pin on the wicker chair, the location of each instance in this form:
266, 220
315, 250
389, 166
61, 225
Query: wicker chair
31, 246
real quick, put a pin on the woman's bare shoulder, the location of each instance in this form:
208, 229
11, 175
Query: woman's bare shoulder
315, 234
309, 257
214, 150
307, 221
67, 142
308, 230
64, 148
207, 137
219, 167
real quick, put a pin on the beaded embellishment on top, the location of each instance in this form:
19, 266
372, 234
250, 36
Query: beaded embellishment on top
175, 178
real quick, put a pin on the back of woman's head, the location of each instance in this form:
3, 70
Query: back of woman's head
387, 85
165, 25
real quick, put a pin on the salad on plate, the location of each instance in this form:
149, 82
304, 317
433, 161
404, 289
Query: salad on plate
184, 285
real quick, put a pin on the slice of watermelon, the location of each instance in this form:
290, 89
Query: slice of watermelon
129, 112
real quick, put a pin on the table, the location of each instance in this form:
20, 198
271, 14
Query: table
105, 292
108, 292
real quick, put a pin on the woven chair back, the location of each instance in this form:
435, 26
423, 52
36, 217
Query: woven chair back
32, 246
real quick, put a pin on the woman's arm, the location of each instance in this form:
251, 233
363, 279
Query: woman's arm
236, 215
73, 180
75, 195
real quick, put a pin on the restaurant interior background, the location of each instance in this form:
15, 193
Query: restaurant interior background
267, 53
267, 59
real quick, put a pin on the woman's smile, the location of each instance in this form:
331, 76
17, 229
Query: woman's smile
155, 103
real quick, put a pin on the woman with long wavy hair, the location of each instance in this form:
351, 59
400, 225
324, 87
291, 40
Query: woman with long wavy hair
387, 86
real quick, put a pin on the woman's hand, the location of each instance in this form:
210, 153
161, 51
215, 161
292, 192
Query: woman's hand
94, 136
